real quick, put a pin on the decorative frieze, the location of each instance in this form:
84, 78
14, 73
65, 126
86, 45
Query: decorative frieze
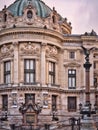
29, 49
51, 51
7, 51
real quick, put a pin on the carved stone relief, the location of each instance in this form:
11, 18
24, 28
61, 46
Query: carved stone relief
7, 51
30, 49
51, 51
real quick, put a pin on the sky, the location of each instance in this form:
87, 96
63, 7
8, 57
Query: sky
82, 14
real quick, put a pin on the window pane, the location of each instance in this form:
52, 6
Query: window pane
49, 78
69, 82
73, 71
69, 72
27, 78
49, 66
31, 78
8, 66
8, 78
27, 64
31, 64
52, 67
73, 82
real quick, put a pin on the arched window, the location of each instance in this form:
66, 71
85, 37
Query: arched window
29, 14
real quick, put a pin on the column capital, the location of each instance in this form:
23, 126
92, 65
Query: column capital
61, 50
16, 43
43, 45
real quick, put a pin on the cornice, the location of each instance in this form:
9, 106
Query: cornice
89, 38
33, 30
79, 38
49, 89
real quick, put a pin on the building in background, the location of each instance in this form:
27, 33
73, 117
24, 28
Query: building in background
41, 60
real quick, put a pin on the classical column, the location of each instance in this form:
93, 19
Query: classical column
15, 62
87, 66
43, 64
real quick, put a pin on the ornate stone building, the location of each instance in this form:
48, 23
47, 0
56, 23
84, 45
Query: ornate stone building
41, 60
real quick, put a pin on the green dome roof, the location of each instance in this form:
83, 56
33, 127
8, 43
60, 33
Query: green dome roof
18, 6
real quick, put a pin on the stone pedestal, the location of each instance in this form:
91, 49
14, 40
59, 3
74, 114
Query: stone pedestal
87, 123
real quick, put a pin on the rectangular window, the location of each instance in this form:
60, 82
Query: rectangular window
7, 72
4, 102
54, 102
72, 55
72, 79
29, 97
72, 104
52, 72
29, 71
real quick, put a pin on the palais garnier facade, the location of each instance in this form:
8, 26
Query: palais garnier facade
42, 61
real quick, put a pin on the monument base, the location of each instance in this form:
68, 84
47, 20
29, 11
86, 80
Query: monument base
87, 123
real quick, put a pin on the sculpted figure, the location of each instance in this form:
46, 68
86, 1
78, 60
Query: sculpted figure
87, 52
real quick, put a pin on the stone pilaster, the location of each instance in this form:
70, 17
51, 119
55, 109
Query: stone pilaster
21, 70
61, 71
12, 71
56, 73
43, 64
47, 74
15, 62
37, 71
2, 72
